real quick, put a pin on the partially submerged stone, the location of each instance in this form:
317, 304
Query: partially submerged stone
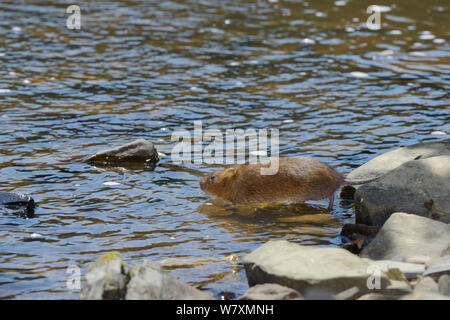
106, 279
135, 154
408, 238
17, 203
150, 282
426, 284
418, 187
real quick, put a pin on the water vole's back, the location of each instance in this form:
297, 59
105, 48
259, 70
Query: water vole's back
297, 179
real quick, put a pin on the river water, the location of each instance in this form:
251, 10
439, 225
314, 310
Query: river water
334, 89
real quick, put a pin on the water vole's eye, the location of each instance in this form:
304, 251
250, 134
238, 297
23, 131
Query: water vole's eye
212, 178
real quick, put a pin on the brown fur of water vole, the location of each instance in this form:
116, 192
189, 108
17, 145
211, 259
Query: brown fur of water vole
298, 179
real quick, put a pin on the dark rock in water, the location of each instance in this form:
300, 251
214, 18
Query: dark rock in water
17, 203
137, 154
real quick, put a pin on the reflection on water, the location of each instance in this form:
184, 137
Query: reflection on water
142, 69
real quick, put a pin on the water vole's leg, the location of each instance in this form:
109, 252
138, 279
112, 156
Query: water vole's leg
330, 205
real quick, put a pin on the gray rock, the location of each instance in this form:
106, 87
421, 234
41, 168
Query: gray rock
377, 296
427, 284
393, 159
135, 153
424, 295
410, 270
406, 189
106, 278
303, 267
270, 291
17, 203
150, 282
408, 238
314, 293
438, 267
444, 285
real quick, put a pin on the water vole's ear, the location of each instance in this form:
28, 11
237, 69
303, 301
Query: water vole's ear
231, 171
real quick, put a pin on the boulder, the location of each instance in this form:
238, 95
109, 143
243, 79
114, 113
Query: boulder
17, 203
444, 285
426, 284
106, 279
270, 291
388, 161
303, 267
408, 238
150, 282
438, 267
407, 188
133, 154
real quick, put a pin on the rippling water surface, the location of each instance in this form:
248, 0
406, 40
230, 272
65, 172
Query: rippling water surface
336, 91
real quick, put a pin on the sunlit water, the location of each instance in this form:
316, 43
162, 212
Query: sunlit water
336, 91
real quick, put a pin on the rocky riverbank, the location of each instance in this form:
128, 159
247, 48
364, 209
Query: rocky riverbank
399, 247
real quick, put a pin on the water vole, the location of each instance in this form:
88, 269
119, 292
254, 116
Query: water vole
298, 179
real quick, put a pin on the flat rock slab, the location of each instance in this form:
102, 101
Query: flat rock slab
17, 203
150, 282
410, 270
438, 267
303, 267
133, 154
409, 238
407, 188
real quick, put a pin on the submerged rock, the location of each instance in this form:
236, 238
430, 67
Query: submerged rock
270, 291
303, 267
150, 282
409, 238
135, 154
426, 284
17, 203
418, 187
444, 285
106, 278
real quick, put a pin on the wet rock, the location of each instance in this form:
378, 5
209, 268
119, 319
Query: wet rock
438, 267
350, 229
393, 159
410, 188
303, 267
16, 203
106, 279
150, 282
426, 284
408, 238
444, 285
410, 270
135, 154
270, 291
